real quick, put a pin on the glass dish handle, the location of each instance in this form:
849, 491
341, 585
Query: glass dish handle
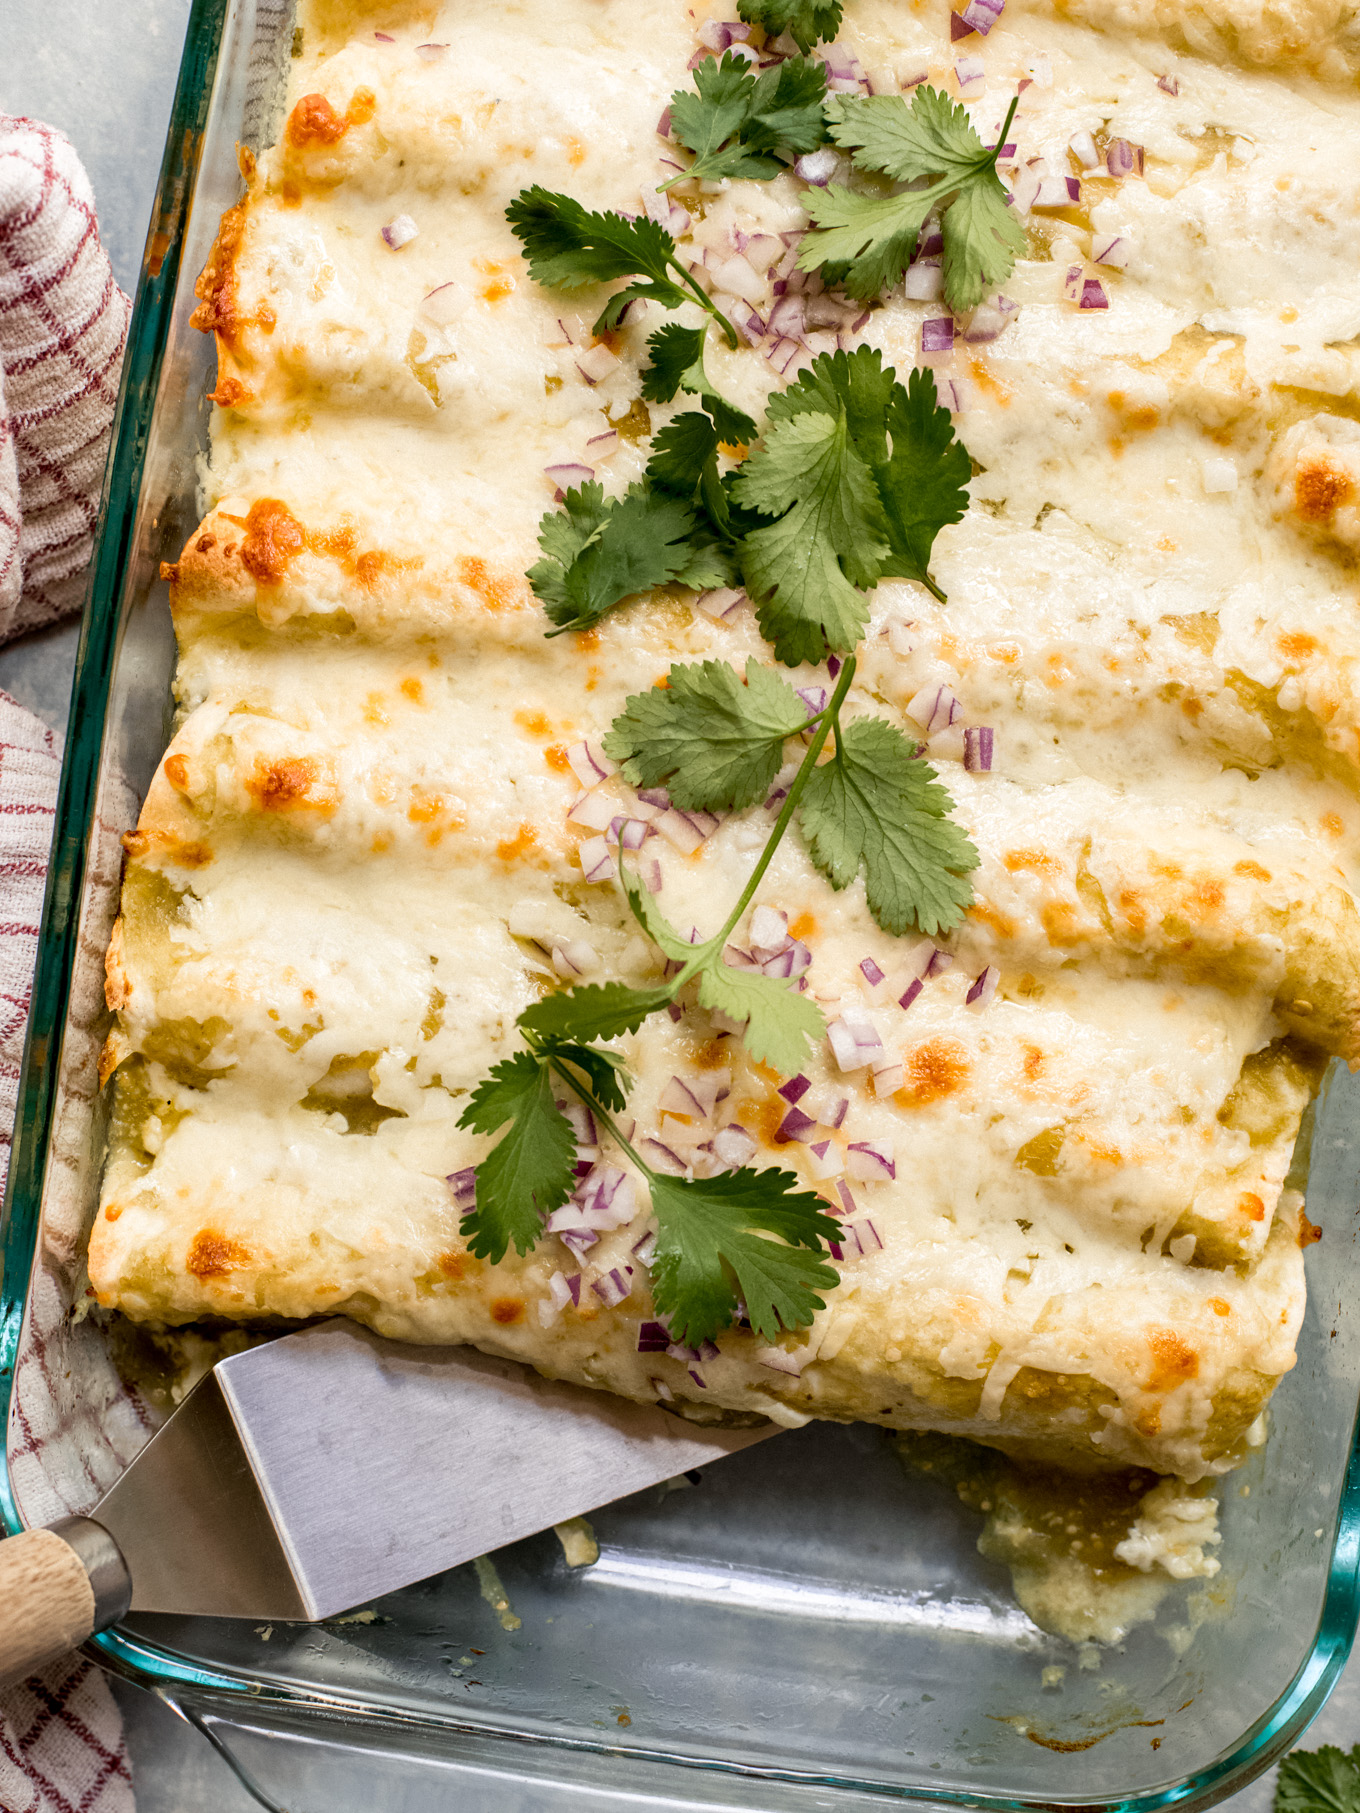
205, 1725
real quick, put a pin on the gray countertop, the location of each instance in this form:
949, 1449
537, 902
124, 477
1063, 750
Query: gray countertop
105, 74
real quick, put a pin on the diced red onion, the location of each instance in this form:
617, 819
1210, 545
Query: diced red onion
675, 1013
937, 334
1072, 283
824, 1161
832, 1108
464, 1186
698, 1378
793, 960
769, 931
1057, 192
762, 251
816, 167
582, 1122
1025, 189
603, 446
1111, 249
734, 1146
1093, 294
445, 304
958, 28
981, 993
431, 53
978, 742
400, 232
847, 1204
782, 354
913, 989
579, 1240
787, 317
649, 870
735, 277
570, 475
1123, 159
644, 1250
721, 602
663, 1158
680, 1097
872, 974
814, 697
934, 708
1084, 148
663, 1391
990, 319
889, 1078
628, 833
612, 1288
795, 1126
924, 282
721, 34
595, 811
653, 1337
982, 15
854, 1039
574, 957
777, 1360
589, 763
1168, 85
968, 70
747, 322
383, 37
663, 125
564, 1288
687, 831
795, 1089
597, 862
940, 961
596, 363
871, 1160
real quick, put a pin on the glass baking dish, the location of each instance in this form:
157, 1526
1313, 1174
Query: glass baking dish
807, 1624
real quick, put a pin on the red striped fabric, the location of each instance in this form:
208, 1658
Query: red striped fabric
63, 324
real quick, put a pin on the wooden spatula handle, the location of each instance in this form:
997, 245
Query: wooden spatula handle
57, 1587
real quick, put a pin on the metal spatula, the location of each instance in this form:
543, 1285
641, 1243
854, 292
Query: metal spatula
320, 1470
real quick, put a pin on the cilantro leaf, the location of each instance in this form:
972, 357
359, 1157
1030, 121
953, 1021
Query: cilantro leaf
779, 1020
878, 806
930, 141
714, 743
604, 1071
738, 124
684, 461
878, 474
924, 481
808, 22
601, 550
709, 1255
600, 1010
677, 355
569, 247
802, 570
530, 1172
1326, 1780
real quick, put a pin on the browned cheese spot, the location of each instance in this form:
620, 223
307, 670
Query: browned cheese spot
935, 1069
213, 1255
1173, 1360
274, 537
506, 1310
1320, 489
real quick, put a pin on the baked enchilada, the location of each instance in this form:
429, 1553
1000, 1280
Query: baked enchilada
1052, 1131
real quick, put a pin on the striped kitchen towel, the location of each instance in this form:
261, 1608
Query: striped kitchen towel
63, 324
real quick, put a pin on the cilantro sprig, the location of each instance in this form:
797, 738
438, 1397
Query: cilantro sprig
1326, 1780
808, 22
569, 248
857, 475
870, 238
598, 551
874, 808
739, 124
712, 1250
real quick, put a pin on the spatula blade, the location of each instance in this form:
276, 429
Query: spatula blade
326, 1468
